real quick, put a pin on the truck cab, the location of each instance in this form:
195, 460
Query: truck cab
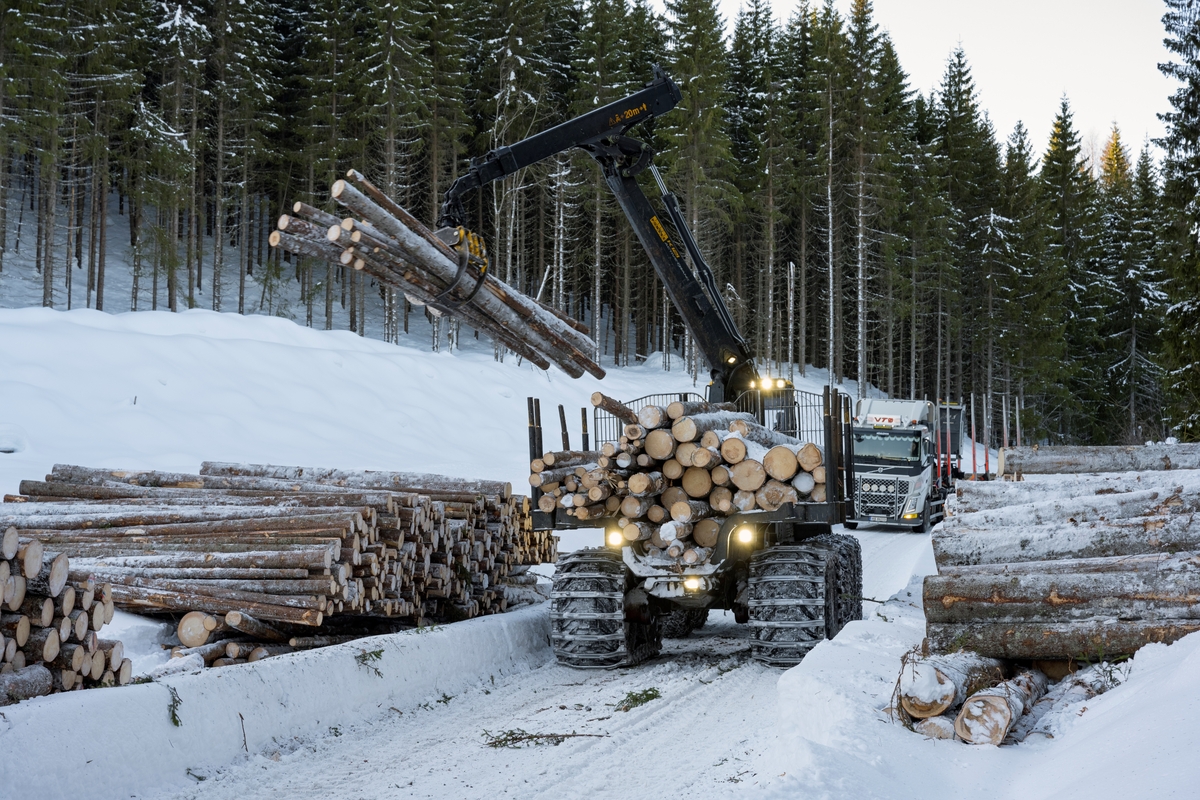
902, 462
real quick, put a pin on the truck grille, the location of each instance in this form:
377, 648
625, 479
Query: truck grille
879, 496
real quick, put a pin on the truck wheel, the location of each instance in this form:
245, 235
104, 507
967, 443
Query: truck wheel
924, 526
850, 526
588, 628
682, 621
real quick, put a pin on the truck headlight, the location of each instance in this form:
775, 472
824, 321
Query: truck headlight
691, 584
745, 534
615, 539
910, 506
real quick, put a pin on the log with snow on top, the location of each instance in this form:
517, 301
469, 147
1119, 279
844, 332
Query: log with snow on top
1162, 499
987, 716
973, 496
1068, 459
933, 685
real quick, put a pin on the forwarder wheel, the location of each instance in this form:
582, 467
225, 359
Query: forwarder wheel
850, 526
588, 627
801, 594
682, 621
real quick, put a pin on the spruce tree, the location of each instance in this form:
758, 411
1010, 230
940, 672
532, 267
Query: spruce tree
1181, 179
1069, 194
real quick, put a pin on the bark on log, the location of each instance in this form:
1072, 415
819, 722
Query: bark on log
614, 407
43, 644
403, 482
570, 458
689, 428
1128, 537
1071, 460
690, 510
1168, 590
646, 484
241, 621
683, 408
652, 416
1085, 640
637, 532
40, 611
22, 684
15, 627
751, 431
267, 650
972, 496
148, 599
988, 716
932, 686
1150, 501
30, 553
52, 578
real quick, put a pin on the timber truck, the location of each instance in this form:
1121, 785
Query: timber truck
907, 455
783, 572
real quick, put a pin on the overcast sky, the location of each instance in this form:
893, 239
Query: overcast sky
1026, 54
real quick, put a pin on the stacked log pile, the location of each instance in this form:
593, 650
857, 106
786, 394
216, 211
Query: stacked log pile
1085, 567
384, 240
676, 473
50, 625
259, 556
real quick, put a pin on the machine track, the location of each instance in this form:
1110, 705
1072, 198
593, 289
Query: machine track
802, 594
588, 628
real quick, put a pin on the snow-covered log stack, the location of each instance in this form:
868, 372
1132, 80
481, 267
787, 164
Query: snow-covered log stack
50, 625
386, 241
676, 472
265, 553
1079, 566
1019, 461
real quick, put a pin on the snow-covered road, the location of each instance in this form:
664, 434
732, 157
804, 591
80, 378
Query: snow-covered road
704, 735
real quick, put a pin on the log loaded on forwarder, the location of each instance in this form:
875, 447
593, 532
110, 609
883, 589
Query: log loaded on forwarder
771, 557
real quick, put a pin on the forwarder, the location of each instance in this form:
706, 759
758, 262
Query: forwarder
784, 572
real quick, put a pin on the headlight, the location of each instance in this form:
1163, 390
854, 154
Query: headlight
745, 534
911, 505
779, 383
691, 584
615, 539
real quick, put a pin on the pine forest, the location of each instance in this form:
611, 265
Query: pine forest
856, 225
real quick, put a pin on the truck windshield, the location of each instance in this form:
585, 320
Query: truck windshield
886, 445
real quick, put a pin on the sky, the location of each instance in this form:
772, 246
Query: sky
1025, 55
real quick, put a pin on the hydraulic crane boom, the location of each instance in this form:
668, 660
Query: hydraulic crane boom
601, 134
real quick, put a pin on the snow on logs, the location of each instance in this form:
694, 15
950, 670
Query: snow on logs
387, 242
1080, 567
253, 555
1073, 460
676, 472
49, 623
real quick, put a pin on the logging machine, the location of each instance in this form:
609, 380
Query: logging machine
784, 572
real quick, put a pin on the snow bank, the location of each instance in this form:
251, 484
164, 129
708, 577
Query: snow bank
834, 739
121, 742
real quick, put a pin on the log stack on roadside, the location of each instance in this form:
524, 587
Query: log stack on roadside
1085, 566
384, 240
676, 472
259, 556
50, 624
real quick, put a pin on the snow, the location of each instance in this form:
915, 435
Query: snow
321, 724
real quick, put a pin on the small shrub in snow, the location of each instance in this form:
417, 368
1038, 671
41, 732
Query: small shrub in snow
635, 699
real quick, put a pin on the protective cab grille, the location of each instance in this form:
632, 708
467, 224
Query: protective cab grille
879, 496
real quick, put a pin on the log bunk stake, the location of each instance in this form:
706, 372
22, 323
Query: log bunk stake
254, 560
671, 478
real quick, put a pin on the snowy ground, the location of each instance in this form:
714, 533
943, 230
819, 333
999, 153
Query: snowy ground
168, 391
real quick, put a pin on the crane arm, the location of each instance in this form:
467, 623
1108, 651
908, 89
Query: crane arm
601, 134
